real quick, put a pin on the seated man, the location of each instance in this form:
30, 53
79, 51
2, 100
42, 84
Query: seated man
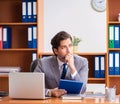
52, 66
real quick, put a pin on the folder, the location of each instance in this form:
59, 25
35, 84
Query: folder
117, 63
116, 37
6, 37
34, 40
24, 11
30, 44
34, 12
29, 11
97, 67
71, 86
111, 36
34, 56
111, 63
102, 66
0, 37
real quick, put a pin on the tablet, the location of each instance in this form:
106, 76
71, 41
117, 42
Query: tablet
71, 86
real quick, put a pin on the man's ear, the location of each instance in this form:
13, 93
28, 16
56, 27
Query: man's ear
55, 51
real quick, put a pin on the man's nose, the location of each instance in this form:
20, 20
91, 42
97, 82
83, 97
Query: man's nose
68, 49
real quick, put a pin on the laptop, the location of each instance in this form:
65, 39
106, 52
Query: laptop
26, 85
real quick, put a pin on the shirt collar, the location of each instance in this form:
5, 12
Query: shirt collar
60, 63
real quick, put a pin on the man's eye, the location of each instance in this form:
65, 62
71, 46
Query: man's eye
63, 47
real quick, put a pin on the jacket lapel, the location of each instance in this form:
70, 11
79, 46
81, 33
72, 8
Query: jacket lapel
55, 69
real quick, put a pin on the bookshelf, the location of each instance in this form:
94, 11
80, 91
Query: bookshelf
113, 9
91, 61
19, 54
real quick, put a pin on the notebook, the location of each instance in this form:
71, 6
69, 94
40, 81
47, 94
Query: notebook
27, 85
71, 86
73, 89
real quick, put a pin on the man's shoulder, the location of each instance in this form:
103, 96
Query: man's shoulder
48, 58
80, 58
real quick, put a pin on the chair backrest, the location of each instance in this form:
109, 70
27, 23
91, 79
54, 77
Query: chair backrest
33, 65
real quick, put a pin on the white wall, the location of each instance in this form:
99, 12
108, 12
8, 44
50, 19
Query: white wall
77, 18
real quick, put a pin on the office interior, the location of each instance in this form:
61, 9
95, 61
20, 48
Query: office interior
80, 19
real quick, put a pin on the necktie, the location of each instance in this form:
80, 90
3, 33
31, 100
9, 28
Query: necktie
64, 71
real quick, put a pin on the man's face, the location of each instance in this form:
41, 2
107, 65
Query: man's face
64, 49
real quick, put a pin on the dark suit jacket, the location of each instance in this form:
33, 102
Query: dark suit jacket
49, 66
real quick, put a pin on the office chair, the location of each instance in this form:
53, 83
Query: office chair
33, 65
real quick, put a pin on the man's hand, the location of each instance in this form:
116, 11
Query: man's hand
58, 92
70, 60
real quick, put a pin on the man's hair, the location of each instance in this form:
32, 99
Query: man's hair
62, 35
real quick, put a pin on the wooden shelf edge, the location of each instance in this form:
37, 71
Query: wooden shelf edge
3, 76
96, 78
113, 49
19, 23
19, 49
50, 53
113, 22
114, 76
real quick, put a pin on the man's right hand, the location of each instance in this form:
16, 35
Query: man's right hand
58, 92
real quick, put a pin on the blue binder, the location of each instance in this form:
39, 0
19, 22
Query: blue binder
111, 63
30, 36
34, 39
6, 37
102, 67
117, 63
34, 56
24, 10
116, 37
97, 67
29, 11
34, 12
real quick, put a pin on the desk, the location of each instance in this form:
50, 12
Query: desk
7, 100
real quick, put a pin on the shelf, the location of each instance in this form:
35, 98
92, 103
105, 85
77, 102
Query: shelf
19, 23
114, 76
112, 49
92, 54
113, 22
19, 49
96, 79
19, 54
78, 53
90, 58
3, 76
112, 11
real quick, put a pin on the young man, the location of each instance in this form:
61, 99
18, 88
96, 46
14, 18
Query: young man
52, 65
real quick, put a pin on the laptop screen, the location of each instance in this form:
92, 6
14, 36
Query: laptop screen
26, 85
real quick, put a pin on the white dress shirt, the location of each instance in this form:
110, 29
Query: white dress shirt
60, 63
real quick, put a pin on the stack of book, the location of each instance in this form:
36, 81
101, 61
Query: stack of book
5, 70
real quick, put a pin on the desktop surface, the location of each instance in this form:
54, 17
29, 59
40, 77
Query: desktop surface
97, 100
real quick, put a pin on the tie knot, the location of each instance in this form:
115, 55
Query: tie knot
64, 65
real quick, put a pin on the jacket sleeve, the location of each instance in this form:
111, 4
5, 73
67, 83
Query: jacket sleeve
82, 73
